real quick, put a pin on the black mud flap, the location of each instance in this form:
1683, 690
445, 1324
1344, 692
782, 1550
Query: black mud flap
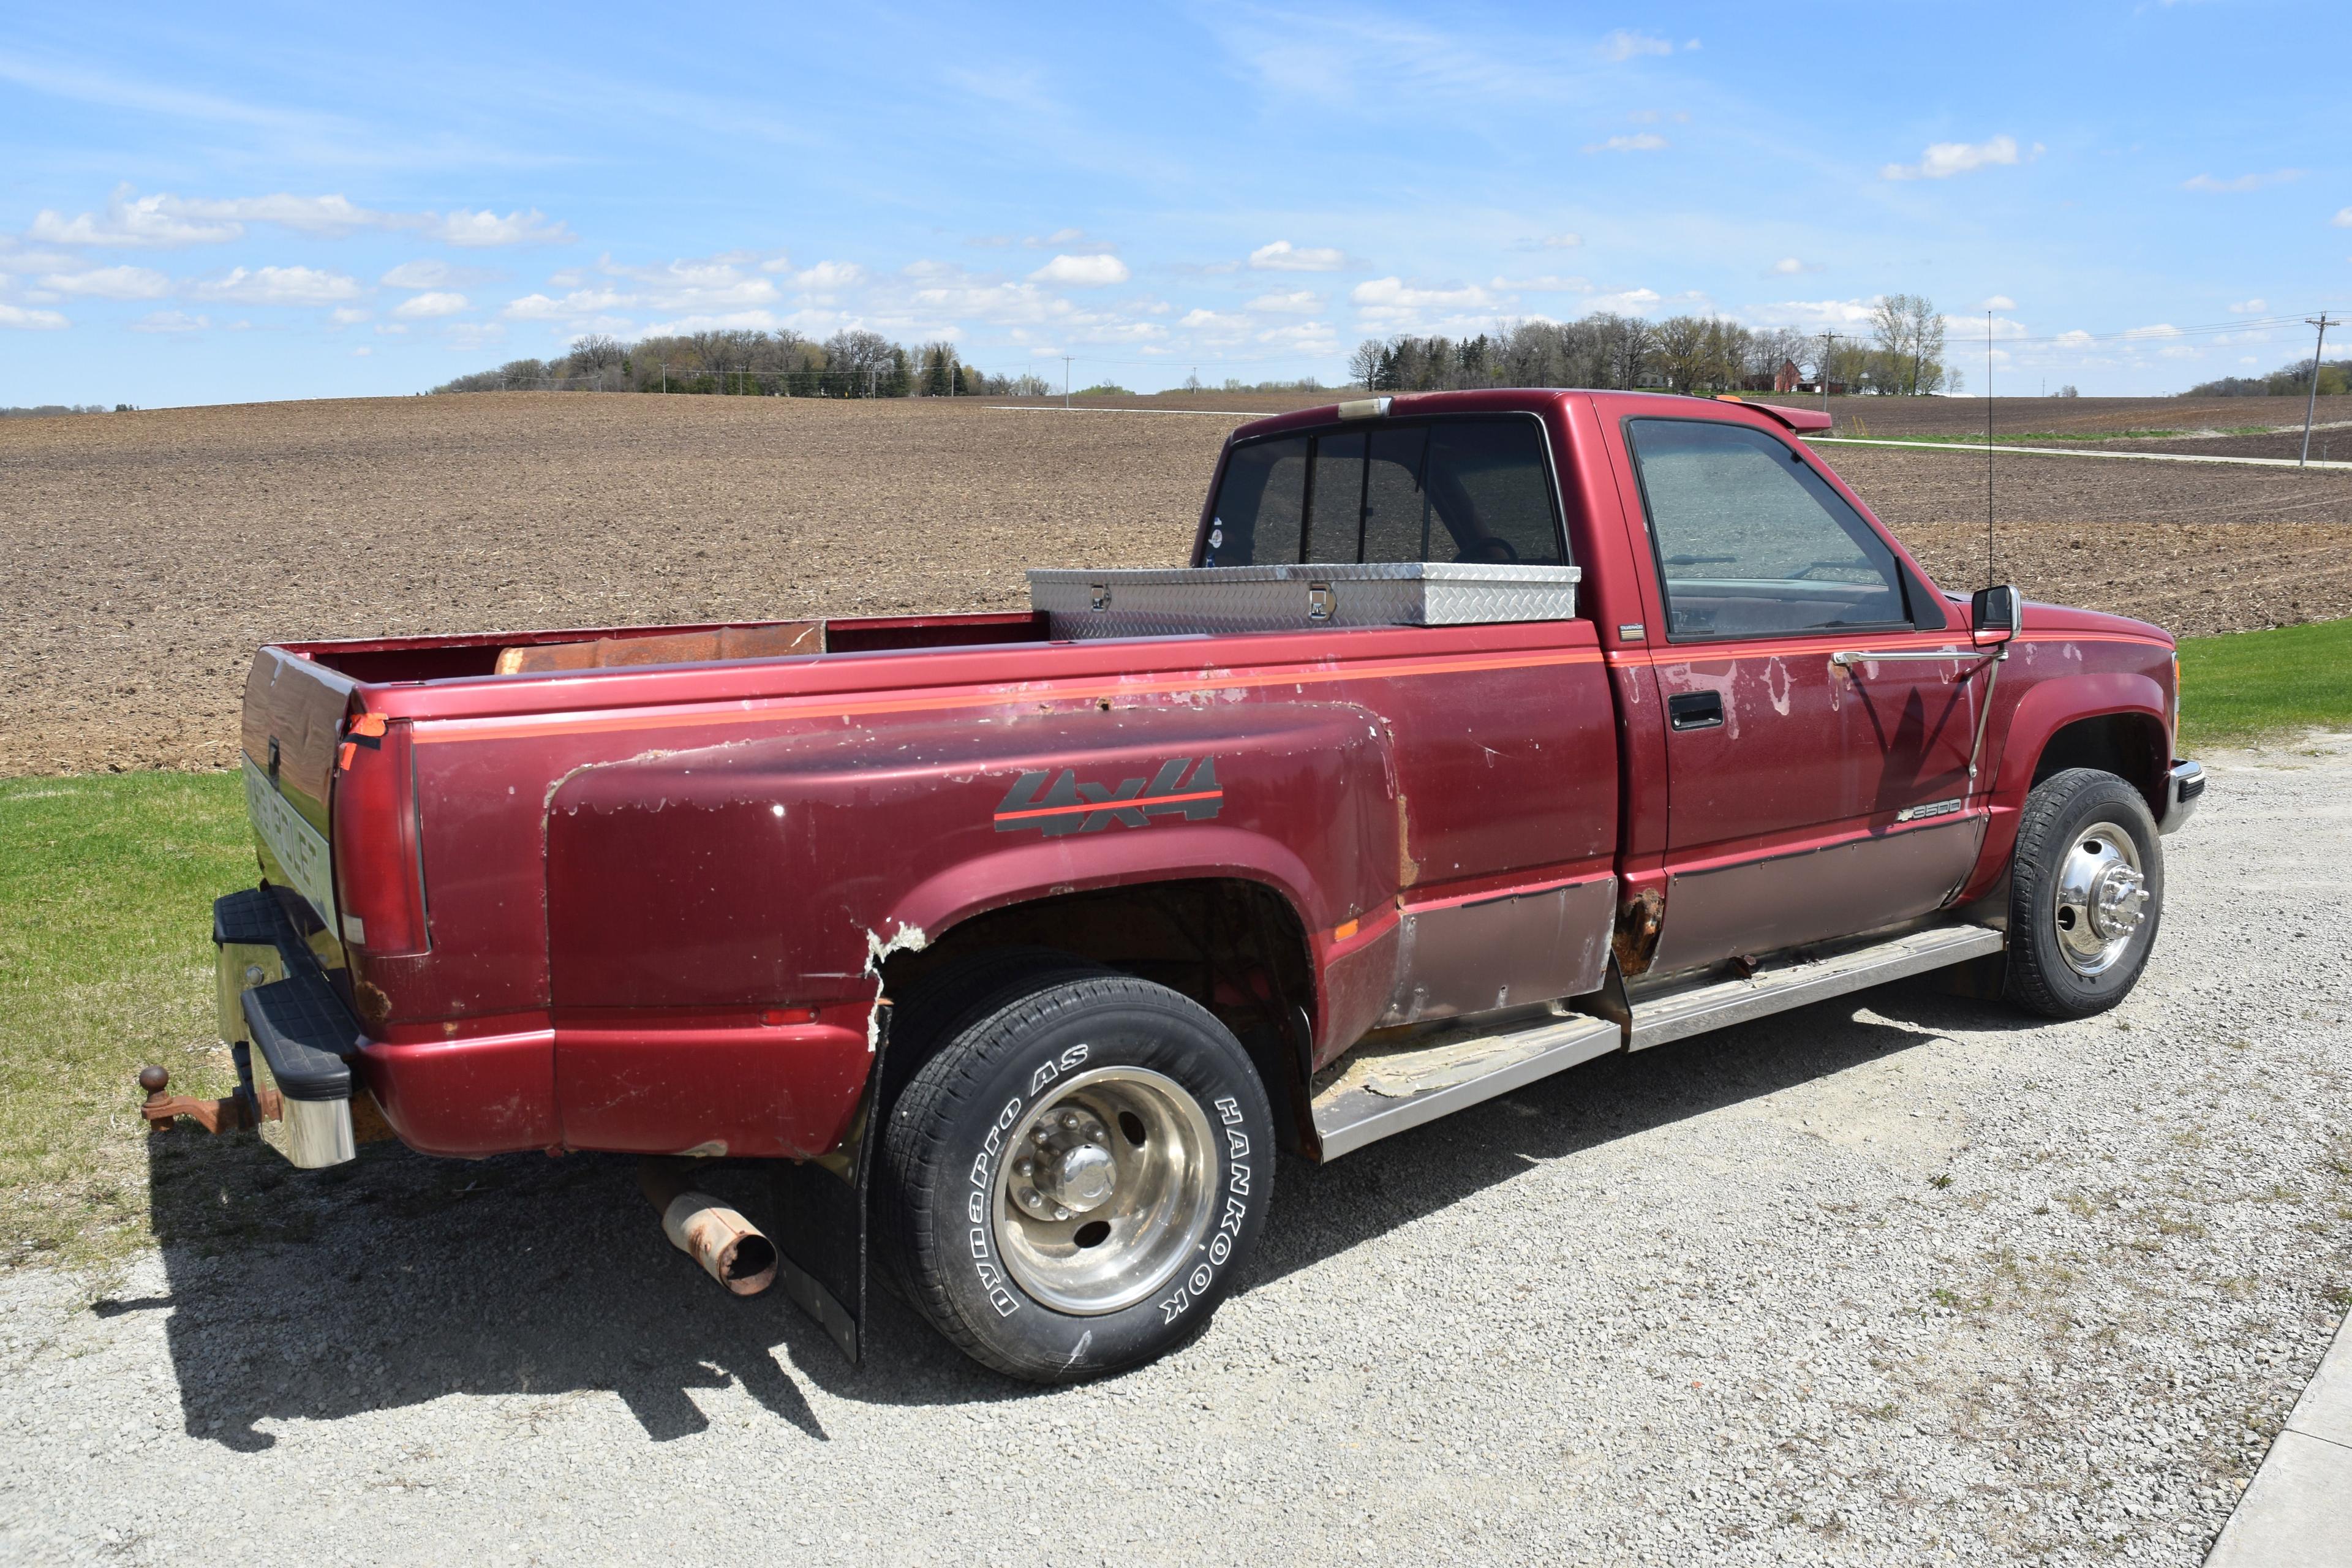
823, 1210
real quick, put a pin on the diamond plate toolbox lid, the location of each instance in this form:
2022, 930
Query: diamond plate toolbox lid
1175, 601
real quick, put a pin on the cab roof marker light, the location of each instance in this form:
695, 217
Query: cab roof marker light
1364, 409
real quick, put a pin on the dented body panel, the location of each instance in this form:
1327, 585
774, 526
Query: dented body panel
661, 902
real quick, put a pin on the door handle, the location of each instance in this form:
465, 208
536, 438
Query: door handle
1696, 711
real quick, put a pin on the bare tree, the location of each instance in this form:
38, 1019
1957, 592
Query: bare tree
597, 352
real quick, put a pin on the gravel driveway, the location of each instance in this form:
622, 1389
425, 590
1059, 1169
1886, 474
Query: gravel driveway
1899, 1279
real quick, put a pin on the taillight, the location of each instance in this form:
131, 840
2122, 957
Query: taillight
379, 864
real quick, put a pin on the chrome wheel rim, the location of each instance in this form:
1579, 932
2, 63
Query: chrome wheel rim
1106, 1190
2100, 899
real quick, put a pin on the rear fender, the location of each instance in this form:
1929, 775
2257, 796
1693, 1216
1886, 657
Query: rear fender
785, 870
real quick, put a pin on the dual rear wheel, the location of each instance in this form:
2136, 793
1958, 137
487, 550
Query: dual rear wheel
1073, 1177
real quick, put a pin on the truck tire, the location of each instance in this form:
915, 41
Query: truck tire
2086, 894
1075, 1179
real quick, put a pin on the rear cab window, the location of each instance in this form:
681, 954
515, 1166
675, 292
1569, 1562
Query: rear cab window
1750, 541
1459, 488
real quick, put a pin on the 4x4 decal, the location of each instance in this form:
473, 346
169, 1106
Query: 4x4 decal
1070, 806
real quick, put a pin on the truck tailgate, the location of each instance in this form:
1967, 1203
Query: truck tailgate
294, 710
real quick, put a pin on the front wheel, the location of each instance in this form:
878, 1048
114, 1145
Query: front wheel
2086, 893
1075, 1179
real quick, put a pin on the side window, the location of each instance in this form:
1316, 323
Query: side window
1751, 541
1259, 508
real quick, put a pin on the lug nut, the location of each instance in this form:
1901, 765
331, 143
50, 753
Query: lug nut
1024, 1164
1043, 1136
1061, 1213
1029, 1196
1070, 1119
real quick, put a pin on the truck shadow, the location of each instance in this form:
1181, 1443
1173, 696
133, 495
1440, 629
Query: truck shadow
398, 1279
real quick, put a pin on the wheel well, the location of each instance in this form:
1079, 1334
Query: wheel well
1235, 946
2132, 746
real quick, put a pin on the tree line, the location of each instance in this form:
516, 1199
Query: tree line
743, 362
1902, 354
2288, 380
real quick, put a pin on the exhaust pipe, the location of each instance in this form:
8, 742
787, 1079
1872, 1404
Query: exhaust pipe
730, 1248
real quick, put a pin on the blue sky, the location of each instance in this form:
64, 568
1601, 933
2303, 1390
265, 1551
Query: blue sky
273, 202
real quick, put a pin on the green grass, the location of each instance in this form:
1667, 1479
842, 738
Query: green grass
106, 962
2248, 686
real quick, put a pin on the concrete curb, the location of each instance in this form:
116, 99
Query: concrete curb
2297, 1513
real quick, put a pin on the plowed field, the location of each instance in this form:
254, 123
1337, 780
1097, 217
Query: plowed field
143, 556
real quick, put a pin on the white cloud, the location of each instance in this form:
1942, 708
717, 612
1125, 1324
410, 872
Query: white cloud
1999, 302
362, 352
1788, 265
579, 302
1284, 257
1214, 321
727, 322
831, 275
1306, 337
428, 307
2248, 307
1548, 283
2241, 183
1081, 272
1562, 241
1622, 45
1640, 142
1626, 302
1945, 159
429, 273
164, 219
2342, 219
112, 283
2162, 330
170, 321
1828, 314
1299, 302
2077, 339
280, 286
484, 229
331, 216
127, 222
352, 316
1387, 292
31, 320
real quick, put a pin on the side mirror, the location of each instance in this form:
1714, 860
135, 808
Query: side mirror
1995, 613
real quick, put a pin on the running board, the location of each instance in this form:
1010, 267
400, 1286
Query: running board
1678, 1008
1384, 1087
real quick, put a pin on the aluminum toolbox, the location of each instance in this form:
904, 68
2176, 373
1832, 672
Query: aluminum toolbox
1164, 602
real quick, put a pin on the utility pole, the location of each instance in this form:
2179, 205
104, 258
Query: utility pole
1065, 383
2311, 401
1827, 338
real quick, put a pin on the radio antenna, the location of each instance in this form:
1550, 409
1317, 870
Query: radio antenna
1989, 566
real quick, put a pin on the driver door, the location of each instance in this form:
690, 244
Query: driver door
1813, 791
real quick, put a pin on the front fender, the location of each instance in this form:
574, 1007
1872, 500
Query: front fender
2047, 706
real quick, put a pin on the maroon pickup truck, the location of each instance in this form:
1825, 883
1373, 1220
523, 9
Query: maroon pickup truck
1485, 734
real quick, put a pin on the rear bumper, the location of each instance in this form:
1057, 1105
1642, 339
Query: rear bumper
2184, 787
291, 1032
